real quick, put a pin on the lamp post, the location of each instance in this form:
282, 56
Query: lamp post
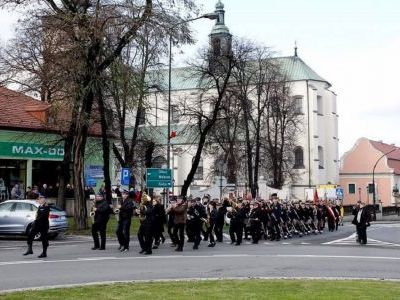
211, 16
373, 179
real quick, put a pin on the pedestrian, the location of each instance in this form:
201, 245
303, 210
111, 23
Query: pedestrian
212, 221
146, 217
102, 212
179, 211
16, 192
159, 221
362, 221
40, 225
194, 221
124, 222
237, 214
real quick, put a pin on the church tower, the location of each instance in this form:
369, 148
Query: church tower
220, 38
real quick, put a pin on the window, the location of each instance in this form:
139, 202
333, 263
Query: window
23, 207
370, 188
142, 116
6, 206
199, 171
216, 44
352, 188
320, 157
320, 107
298, 104
299, 158
174, 114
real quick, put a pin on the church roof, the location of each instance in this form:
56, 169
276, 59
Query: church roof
293, 67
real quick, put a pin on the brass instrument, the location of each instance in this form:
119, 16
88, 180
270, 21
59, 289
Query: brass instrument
142, 208
116, 211
92, 211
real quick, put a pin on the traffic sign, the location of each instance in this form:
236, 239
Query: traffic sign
159, 178
125, 176
340, 193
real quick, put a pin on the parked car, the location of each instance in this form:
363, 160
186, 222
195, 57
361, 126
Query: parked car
17, 216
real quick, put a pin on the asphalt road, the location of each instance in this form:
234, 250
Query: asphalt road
334, 254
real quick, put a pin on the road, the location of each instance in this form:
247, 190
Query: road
334, 254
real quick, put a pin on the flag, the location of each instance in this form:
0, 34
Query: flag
173, 134
316, 197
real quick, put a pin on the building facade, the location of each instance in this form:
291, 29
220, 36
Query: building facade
316, 154
357, 173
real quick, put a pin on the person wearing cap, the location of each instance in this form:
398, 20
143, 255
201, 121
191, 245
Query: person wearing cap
101, 216
179, 212
40, 225
124, 222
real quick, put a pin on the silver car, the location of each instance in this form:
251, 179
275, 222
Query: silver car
17, 216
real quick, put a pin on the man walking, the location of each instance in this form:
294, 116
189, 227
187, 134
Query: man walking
40, 225
124, 223
101, 216
361, 220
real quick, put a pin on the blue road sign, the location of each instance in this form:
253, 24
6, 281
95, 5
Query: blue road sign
125, 176
340, 193
159, 178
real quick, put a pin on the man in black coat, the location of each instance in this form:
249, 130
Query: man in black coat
361, 220
237, 215
124, 223
102, 212
146, 217
40, 225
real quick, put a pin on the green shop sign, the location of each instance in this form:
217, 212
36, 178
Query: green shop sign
31, 150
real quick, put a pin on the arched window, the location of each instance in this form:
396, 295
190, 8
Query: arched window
320, 157
159, 162
298, 158
199, 171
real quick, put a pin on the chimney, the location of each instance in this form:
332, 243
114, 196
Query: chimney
39, 112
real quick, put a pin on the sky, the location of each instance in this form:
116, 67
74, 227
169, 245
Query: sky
353, 44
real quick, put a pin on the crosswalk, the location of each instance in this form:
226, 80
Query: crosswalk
351, 241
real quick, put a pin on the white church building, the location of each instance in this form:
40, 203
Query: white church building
316, 155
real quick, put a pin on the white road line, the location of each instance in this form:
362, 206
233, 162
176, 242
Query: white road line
351, 240
303, 243
90, 259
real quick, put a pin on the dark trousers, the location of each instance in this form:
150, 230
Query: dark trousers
236, 232
255, 231
331, 224
43, 236
96, 229
210, 232
123, 232
179, 235
195, 229
219, 231
145, 237
171, 232
362, 233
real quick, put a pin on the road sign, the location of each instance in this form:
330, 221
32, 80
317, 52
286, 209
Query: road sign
125, 176
159, 178
339, 193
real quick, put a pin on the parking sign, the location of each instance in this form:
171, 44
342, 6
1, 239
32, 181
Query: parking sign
125, 176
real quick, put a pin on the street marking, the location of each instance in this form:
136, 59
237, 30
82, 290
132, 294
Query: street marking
351, 240
286, 243
93, 259
303, 243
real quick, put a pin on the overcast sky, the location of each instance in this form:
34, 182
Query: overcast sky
353, 44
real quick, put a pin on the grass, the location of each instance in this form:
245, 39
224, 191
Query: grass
111, 227
225, 289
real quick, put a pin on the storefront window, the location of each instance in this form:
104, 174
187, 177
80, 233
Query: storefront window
11, 172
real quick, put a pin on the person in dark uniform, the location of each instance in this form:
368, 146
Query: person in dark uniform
102, 212
220, 222
255, 222
362, 221
159, 221
124, 223
146, 217
194, 222
237, 214
40, 225
171, 224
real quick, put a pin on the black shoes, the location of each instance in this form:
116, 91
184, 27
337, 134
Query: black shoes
195, 247
29, 251
211, 245
178, 249
95, 248
42, 255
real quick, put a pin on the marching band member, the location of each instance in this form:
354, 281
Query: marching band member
124, 222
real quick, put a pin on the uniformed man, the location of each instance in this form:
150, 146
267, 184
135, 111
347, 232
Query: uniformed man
237, 214
40, 225
179, 211
124, 223
146, 217
102, 212
194, 222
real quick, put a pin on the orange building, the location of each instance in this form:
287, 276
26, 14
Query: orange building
367, 162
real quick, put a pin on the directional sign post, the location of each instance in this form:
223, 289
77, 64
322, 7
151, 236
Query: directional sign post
125, 176
159, 178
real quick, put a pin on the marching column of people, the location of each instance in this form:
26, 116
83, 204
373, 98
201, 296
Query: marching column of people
205, 219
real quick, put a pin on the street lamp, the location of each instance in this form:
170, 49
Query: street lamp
211, 16
373, 179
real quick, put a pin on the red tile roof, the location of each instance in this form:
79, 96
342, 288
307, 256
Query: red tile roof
21, 112
393, 158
